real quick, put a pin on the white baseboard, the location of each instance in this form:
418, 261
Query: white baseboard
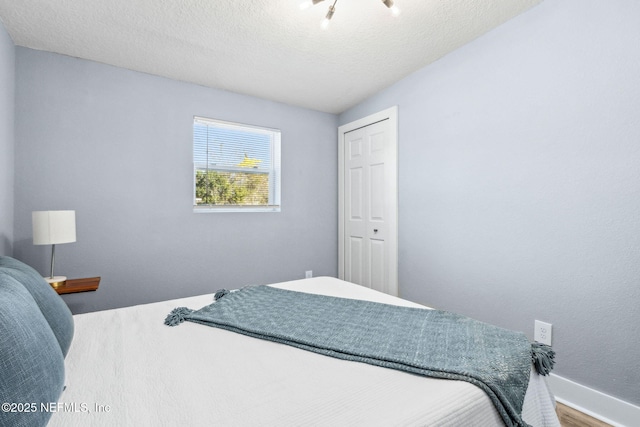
598, 405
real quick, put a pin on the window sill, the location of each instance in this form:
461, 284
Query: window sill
210, 209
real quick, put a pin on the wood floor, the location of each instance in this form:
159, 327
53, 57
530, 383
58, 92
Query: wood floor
569, 417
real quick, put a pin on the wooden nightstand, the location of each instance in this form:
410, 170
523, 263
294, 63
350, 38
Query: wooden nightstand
78, 285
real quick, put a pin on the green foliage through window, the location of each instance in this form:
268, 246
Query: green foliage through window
231, 188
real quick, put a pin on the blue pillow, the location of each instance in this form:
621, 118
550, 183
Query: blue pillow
31, 361
53, 307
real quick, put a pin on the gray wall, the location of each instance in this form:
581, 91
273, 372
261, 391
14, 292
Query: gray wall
116, 146
519, 176
7, 102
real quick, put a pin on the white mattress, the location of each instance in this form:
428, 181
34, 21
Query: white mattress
126, 368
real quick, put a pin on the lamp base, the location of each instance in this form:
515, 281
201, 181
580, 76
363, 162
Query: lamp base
56, 281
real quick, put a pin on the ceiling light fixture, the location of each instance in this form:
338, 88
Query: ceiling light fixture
395, 10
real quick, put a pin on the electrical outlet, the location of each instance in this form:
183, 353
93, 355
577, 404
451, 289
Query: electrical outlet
542, 332
308, 274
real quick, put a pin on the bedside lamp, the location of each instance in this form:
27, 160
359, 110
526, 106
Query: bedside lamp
52, 228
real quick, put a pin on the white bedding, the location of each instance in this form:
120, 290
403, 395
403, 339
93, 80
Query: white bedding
126, 368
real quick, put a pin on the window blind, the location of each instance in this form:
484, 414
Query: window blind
235, 165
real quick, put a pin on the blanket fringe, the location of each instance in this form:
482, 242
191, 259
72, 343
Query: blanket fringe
220, 294
542, 357
177, 316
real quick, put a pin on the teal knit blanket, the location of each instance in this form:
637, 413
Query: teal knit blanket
431, 343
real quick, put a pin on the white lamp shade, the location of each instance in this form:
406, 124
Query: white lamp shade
53, 227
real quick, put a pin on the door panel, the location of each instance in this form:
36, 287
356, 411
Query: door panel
356, 253
356, 186
377, 265
355, 147
376, 192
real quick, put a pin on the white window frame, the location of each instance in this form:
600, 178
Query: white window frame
274, 171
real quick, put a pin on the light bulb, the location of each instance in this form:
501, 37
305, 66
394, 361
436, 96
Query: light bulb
327, 19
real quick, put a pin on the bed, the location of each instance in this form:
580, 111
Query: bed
125, 367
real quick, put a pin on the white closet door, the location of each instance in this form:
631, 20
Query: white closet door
369, 205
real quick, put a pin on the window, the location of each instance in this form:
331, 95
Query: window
236, 167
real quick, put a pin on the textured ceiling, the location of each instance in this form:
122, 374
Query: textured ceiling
265, 48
